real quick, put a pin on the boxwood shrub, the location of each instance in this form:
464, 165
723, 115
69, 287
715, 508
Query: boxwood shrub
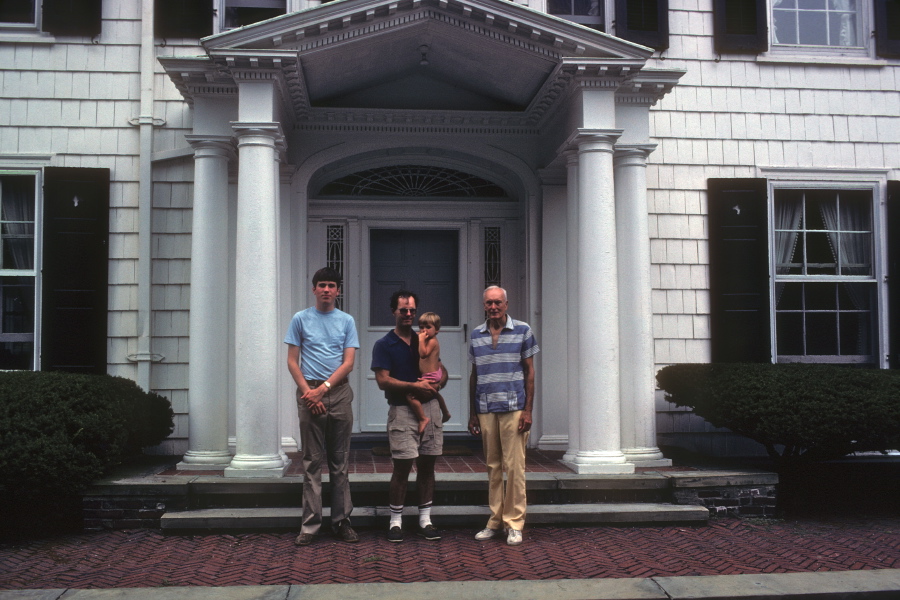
805, 412
60, 431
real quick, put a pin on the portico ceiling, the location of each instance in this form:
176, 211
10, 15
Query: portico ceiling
481, 61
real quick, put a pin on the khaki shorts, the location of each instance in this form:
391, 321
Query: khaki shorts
403, 432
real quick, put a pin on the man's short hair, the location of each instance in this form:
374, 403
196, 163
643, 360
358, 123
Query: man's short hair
432, 319
494, 287
395, 298
327, 274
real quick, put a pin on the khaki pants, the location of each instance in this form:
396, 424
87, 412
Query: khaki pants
326, 437
504, 446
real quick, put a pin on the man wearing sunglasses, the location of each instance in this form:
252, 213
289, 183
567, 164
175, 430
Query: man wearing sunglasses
395, 361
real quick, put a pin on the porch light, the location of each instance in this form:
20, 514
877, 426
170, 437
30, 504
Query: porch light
424, 50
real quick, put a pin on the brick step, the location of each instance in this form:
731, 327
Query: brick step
236, 519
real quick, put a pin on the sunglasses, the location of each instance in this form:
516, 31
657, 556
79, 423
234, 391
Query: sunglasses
407, 311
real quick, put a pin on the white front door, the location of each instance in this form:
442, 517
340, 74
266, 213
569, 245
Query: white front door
426, 261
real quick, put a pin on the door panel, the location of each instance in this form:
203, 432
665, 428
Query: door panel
427, 263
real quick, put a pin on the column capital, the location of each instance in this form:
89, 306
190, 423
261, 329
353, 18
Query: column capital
591, 140
270, 129
633, 153
211, 145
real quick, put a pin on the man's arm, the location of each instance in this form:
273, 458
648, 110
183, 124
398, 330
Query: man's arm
421, 388
314, 396
293, 362
528, 370
474, 426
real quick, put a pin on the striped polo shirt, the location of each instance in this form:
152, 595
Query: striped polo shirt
500, 380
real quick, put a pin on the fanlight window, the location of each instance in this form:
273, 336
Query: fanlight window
413, 181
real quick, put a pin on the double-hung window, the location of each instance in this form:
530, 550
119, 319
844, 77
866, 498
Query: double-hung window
17, 270
21, 15
238, 13
825, 287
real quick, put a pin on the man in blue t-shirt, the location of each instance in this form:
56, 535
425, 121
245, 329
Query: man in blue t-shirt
395, 361
322, 344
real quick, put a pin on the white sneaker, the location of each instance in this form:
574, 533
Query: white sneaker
514, 538
485, 534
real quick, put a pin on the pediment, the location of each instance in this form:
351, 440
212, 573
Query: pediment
502, 60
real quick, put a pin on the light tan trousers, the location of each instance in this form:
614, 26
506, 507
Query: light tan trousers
504, 446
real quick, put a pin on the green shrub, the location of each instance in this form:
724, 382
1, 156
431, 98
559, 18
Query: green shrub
60, 431
797, 411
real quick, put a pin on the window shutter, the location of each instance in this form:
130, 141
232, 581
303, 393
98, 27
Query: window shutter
71, 17
887, 28
893, 271
74, 272
739, 270
183, 18
644, 22
739, 26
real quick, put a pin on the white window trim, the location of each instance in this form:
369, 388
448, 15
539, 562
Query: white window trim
290, 6
874, 181
608, 10
798, 53
38, 246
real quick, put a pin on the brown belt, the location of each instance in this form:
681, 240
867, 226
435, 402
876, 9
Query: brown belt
314, 383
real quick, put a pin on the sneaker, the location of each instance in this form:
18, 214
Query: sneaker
430, 532
486, 534
305, 539
515, 537
395, 534
346, 533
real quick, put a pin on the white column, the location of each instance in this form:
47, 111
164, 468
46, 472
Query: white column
258, 442
573, 388
599, 447
208, 370
637, 373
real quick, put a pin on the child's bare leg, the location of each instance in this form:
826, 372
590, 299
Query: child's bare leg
416, 407
446, 413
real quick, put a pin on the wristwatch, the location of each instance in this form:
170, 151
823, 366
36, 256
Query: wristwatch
327, 385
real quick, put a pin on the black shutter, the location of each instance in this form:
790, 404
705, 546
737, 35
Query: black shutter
74, 272
893, 271
887, 28
739, 270
183, 18
644, 22
739, 26
71, 17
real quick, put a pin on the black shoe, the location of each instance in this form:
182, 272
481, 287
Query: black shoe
430, 532
346, 533
305, 539
395, 534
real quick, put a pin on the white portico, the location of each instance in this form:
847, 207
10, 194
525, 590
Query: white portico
436, 145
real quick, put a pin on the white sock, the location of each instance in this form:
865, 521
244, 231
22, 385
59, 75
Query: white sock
424, 514
396, 516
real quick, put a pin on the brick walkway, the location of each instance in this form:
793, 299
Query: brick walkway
144, 558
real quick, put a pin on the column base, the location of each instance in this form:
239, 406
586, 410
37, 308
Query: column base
553, 442
257, 466
599, 469
646, 457
194, 460
600, 462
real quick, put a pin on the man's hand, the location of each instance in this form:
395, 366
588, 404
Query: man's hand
313, 399
525, 421
424, 389
474, 425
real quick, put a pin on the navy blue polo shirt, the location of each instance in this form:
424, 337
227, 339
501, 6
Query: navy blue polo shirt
400, 359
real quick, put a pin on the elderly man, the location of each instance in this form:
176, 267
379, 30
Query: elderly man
501, 391
395, 361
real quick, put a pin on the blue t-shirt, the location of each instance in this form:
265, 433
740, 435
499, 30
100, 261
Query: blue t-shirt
322, 338
400, 359
499, 378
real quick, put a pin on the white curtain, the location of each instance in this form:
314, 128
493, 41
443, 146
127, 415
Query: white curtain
775, 4
787, 217
847, 35
17, 217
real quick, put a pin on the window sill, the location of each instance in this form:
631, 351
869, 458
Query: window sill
823, 60
27, 37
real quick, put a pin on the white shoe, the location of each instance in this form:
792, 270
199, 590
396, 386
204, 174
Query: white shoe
485, 534
514, 538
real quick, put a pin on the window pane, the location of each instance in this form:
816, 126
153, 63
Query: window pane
831, 23
587, 7
820, 296
17, 11
789, 296
785, 22
821, 333
16, 306
856, 333
239, 13
820, 257
17, 222
559, 7
790, 334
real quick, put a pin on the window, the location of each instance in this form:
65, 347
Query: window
238, 13
825, 287
826, 23
17, 270
59, 17
794, 272
19, 14
590, 13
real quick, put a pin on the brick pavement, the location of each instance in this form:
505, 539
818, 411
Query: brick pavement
146, 558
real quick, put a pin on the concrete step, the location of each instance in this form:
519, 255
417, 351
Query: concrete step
236, 519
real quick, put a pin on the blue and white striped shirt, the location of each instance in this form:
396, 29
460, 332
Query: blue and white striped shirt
499, 377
